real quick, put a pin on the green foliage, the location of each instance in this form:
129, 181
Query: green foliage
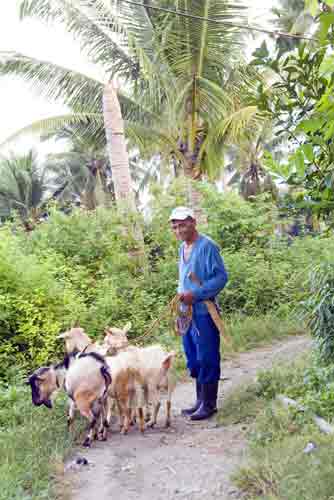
278, 468
300, 104
34, 305
187, 122
83, 266
237, 224
33, 442
247, 332
318, 307
281, 471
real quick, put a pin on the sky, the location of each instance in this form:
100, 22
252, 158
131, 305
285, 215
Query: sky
19, 105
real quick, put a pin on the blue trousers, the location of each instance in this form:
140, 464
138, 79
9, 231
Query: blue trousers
201, 346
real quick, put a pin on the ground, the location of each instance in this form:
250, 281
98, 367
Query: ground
188, 461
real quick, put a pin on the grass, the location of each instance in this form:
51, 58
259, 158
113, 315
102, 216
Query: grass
246, 333
241, 406
282, 471
33, 443
249, 332
278, 468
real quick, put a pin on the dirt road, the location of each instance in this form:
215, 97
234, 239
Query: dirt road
190, 460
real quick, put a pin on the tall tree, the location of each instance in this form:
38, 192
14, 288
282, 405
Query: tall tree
25, 187
185, 90
84, 165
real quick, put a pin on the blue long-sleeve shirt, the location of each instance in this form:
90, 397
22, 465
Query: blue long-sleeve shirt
207, 265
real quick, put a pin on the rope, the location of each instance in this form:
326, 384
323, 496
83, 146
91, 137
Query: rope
169, 309
172, 310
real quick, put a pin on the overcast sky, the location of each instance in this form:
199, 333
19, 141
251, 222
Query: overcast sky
19, 106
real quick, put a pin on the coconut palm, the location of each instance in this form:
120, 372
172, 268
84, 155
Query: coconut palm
185, 92
246, 163
26, 187
85, 167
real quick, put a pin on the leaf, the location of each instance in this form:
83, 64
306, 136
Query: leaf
312, 6
308, 151
262, 51
311, 125
326, 20
300, 164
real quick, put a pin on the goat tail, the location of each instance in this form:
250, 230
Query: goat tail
106, 375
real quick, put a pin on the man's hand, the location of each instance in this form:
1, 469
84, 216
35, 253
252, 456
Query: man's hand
187, 298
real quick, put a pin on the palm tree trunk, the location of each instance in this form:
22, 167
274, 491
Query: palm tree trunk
194, 196
118, 155
119, 161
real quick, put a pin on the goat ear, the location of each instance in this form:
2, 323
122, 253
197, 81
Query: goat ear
168, 361
63, 335
127, 327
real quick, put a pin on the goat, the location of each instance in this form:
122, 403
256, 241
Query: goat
87, 381
138, 378
47, 380
116, 340
76, 339
155, 372
85, 378
125, 376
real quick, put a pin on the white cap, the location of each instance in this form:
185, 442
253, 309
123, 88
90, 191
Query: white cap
181, 213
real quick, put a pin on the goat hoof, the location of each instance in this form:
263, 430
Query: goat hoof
167, 424
86, 443
102, 436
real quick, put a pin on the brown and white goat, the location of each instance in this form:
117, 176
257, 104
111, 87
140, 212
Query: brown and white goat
85, 379
86, 382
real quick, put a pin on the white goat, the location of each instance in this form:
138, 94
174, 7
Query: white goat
138, 378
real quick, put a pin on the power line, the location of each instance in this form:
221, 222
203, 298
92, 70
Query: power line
218, 21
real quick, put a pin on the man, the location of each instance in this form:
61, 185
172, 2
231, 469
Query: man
202, 276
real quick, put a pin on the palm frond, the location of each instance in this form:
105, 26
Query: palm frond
95, 25
54, 82
92, 123
236, 123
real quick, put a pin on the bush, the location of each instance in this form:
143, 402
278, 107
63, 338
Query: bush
318, 308
83, 267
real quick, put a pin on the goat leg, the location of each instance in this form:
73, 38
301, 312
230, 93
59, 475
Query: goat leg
168, 413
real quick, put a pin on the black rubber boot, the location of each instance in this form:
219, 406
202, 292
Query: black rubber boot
209, 402
189, 411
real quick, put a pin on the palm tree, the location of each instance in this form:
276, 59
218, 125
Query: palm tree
246, 163
186, 92
25, 188
85, 166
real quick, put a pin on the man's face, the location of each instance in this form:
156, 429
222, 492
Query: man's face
184, 230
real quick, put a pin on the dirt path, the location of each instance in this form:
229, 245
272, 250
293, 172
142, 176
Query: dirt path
190, 460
